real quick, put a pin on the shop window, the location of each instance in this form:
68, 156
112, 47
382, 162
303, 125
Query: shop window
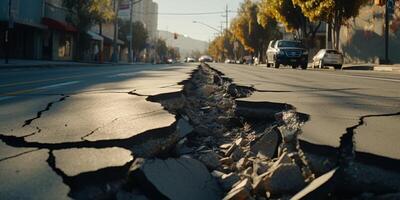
65, 46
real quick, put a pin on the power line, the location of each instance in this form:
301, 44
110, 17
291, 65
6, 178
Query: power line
181, 14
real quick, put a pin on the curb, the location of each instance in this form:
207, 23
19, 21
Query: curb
367, 67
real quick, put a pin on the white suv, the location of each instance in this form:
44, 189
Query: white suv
328, 57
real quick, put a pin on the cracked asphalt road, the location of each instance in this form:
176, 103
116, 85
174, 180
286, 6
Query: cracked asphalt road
59, 123
335, 101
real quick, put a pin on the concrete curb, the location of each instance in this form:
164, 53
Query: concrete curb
371, 67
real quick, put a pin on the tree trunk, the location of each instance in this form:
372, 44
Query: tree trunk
337, 41
329, 36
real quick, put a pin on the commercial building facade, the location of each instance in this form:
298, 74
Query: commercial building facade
146, 11
362, 39
25, 36
39, 30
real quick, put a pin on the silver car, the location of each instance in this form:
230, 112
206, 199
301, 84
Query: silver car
328, 57
205, 58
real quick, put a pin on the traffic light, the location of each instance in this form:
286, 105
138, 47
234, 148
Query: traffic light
390, 6
175, 36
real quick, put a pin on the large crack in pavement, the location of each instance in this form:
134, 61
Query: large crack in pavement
354, 179
347, 143
244, 152
219, 147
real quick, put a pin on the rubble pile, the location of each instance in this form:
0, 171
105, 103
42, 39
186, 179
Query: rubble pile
221, 155
223, 152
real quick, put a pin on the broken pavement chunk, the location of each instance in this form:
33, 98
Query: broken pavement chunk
237, 154
181, 178
320, 188
183, 128
267, 145
284, 179
228, 180
241, 191
210, 160
75, 161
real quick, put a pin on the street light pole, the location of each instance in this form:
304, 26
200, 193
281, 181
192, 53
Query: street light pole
115, 44
215, 29
6, 38
130, 36
387, 32
130, 56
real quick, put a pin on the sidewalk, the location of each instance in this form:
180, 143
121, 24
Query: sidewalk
15, 63
373, 67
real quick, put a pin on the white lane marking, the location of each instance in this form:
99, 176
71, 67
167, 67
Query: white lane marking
43, 88
58, 85
5, 98
368, 77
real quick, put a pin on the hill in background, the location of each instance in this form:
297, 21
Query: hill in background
187, 46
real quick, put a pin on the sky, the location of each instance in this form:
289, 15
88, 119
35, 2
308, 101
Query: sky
183, 24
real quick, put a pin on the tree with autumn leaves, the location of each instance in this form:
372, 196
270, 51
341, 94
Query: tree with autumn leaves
84, 14
257, 22
291, 16
247, 32
333, 12
222, 47
296, 15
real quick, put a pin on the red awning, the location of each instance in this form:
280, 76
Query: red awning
54, 24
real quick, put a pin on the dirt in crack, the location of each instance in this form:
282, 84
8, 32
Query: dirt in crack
238, 150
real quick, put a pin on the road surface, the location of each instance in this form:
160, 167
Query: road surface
61, 126
334, 100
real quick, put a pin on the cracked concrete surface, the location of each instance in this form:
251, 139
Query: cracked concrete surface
28, 176
52, 147
79, 160
334, 101
73, 144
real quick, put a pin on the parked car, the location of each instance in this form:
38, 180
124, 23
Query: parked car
190, 59
170, 61
287, 52
328, 57
229, 61
205, 59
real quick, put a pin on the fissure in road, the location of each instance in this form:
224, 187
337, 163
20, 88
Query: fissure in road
47, 108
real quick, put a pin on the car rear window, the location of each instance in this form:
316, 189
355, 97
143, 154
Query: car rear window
290, 44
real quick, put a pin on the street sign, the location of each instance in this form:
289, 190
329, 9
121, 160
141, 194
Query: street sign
390, 6
129, 37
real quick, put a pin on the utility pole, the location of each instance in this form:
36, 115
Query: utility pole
226, 21
10, 26
130, 36
130, 56
387, 10
115, 53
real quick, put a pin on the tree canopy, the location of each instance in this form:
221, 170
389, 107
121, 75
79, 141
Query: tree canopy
334, 12
139, 35
282, 11
251, 34
84, 14
161, 49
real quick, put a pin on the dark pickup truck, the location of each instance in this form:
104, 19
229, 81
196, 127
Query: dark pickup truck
287, 52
